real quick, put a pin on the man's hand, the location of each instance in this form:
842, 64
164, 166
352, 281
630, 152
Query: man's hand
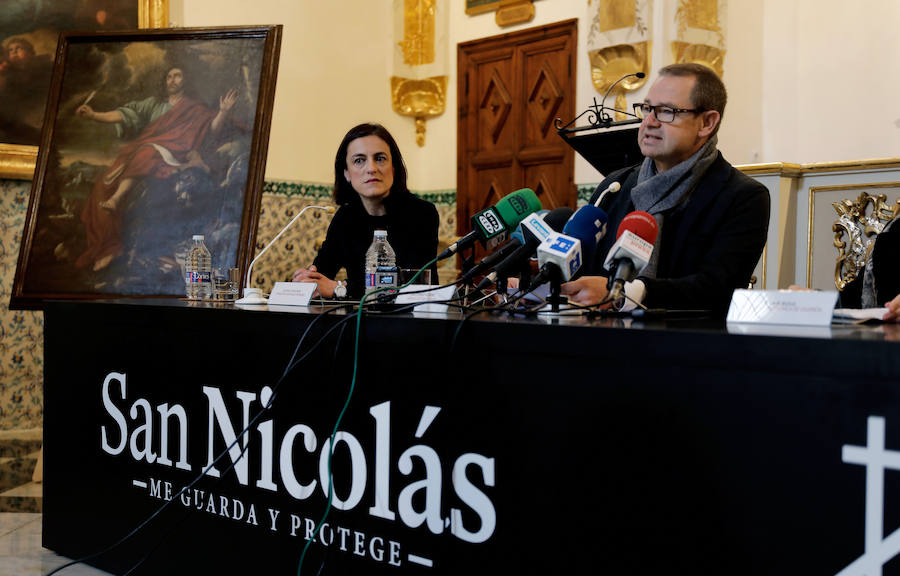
85, 111
893, 313
587, 290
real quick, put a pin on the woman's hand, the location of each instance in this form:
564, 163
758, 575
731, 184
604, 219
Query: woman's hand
325, 284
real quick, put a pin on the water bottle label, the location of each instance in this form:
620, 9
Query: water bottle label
382, 278
194, 277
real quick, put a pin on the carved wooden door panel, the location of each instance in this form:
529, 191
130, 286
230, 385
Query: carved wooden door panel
511, 89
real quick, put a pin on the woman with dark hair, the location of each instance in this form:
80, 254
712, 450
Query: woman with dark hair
370, 190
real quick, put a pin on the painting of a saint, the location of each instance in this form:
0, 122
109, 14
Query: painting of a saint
152, 142
28, 35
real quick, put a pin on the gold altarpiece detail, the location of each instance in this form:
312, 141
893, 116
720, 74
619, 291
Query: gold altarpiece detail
700, 36
419, 98
611, 22
418, 32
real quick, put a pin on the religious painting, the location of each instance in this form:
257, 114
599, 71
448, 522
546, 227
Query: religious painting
153, 136
28, 33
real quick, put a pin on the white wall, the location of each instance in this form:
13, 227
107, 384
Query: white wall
808, 80
832, 79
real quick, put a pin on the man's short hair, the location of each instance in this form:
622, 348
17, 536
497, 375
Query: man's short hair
709, 91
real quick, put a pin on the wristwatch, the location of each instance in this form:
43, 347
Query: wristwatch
340, 291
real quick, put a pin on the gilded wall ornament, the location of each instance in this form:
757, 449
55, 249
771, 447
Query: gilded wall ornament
619, 44
709, 56
700, 33
419, 81
859, 222
420, 99
418, 32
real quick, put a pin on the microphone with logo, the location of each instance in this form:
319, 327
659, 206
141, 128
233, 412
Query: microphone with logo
491, 226
516, 239
631, 252
254, 296
561, 256
535, 229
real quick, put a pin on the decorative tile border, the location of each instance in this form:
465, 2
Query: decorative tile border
21, 332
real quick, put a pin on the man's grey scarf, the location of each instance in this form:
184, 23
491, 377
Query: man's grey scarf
660, 193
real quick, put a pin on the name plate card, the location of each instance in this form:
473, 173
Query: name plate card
788, 307
292, 293
432, 300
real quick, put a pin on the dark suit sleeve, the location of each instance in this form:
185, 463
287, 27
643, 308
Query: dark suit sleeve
330, 258
423, 241
720, 251
434, 223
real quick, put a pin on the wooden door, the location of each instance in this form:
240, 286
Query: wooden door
511, 89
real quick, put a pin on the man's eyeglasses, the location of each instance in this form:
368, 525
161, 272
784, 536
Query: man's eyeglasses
663, 113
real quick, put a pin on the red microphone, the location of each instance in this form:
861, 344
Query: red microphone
640, 223
631, 252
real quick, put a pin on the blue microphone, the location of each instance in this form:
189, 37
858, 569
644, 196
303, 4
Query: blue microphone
587, 221
563, 255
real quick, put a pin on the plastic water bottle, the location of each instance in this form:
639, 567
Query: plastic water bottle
381, 263
198, 271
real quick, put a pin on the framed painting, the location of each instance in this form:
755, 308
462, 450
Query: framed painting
150, 137
28, 33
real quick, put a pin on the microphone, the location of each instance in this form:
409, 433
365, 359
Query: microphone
491, 226
535, 229
589, 224
254, 295
603, 115
516, 239
563, 255
631, 252
611, 189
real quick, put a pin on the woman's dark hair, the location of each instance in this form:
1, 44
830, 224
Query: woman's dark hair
343, 191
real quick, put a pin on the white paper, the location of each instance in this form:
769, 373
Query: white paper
859, 315
432, 299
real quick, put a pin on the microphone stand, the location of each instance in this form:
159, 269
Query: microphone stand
598, 114
555, 285
253, 296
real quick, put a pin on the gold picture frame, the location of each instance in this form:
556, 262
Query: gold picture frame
481, 6
507, 12
17, 160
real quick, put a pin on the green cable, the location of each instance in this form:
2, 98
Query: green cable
344, 409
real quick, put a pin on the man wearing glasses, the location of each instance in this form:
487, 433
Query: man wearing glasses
712, 219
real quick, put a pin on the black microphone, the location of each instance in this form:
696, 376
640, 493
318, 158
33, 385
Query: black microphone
535, 230
517, 238
603, 115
